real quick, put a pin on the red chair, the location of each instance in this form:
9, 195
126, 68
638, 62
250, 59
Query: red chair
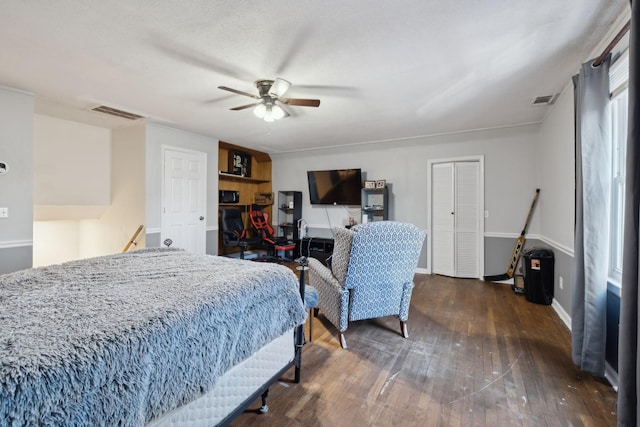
277, 246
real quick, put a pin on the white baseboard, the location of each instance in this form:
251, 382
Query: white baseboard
564, 316
157, 230
611, 375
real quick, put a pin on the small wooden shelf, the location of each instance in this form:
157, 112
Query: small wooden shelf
233, 177
241, 205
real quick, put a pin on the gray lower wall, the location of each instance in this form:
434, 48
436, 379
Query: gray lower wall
497, 254
212, 242
152, 240
16, 258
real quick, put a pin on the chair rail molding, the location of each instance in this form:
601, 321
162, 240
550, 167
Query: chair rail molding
15, 244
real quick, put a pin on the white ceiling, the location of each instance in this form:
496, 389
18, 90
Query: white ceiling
382, 69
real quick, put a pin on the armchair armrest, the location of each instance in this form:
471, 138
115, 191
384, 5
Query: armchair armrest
231, 237
333, 298
319, 272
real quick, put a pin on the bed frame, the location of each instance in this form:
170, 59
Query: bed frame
216, 407
239, 387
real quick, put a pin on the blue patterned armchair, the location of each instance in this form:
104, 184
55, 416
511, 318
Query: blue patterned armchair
371, 274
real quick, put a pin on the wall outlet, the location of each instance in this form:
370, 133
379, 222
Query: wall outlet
486, 213
560, 284
4, 212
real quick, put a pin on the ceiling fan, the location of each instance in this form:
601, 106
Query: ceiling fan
270, 94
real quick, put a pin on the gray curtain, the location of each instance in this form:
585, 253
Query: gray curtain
628, 369
591, 245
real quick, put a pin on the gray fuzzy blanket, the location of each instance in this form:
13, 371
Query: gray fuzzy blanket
119, 340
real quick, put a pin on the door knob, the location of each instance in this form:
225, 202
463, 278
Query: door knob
201, 218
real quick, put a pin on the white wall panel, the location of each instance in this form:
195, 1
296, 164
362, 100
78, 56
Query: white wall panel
72, 163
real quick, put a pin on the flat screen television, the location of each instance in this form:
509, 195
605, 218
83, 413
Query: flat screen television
335, 187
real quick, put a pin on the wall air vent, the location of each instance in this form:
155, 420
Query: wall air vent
115, 112
545, 100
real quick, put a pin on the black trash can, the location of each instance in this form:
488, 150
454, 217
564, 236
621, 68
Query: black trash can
539, 275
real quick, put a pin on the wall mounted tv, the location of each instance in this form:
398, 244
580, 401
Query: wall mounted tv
335, 187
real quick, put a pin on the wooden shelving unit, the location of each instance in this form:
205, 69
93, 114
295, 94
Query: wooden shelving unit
247, 186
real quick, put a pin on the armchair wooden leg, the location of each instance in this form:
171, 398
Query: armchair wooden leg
343, 342
403, 328
316, 310
310, 326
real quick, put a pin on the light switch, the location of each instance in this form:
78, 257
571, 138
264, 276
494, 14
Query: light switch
4, 212
486, 213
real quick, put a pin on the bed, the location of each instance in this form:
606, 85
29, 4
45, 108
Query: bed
152, 337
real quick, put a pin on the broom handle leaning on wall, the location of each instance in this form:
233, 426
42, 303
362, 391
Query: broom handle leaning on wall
132, 241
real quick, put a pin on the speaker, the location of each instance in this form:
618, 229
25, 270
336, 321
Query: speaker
228, 196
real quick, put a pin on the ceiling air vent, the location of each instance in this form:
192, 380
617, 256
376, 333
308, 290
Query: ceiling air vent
115, 112
545, 100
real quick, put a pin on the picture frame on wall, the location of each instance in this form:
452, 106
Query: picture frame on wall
369, 184
240, 163
381, 183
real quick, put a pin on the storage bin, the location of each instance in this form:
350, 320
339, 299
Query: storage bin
539, 275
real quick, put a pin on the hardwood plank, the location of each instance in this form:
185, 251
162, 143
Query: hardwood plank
477, 355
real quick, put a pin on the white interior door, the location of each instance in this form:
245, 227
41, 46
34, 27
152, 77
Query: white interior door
456, 218
442, 219
184, 199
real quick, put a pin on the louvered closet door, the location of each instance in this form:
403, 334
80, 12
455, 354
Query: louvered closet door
467, 217
455, 218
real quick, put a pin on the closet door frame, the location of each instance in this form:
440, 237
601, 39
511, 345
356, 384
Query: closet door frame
481, 210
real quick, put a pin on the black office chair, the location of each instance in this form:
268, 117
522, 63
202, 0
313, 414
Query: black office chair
233, 232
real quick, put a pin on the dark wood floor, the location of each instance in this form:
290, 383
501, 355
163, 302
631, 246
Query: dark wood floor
477, 355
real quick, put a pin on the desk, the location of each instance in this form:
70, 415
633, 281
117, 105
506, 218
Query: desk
317, 247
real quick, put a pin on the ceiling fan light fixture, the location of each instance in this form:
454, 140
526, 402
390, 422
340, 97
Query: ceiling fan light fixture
260, 110
277, 112
268, 115
279, 87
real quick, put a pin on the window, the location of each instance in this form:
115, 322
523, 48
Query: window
618, 81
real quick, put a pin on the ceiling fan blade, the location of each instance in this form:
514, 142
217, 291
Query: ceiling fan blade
279, 87
239, 92
302, 102
242, 107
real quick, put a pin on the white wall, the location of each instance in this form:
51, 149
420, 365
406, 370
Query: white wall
72, 163
72, 187
55, 242
16, 150
16, 187
556, 154
77, 216
127, 209
510, 175
157, 136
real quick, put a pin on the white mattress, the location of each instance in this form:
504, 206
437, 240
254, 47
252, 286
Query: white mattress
234, 387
